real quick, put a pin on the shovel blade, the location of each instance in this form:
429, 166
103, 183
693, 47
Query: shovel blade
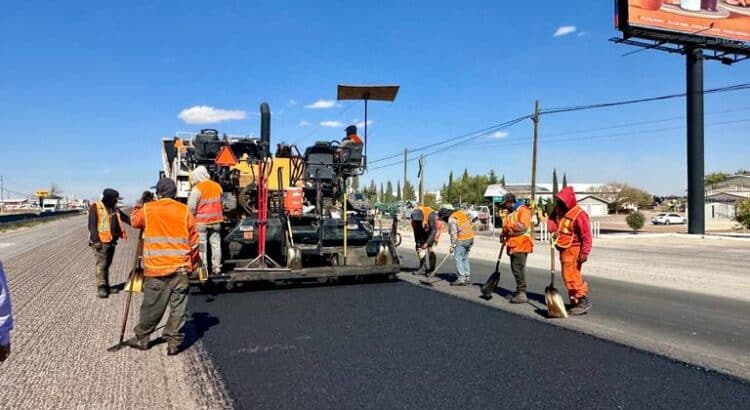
555, 304
135, 282
293, 258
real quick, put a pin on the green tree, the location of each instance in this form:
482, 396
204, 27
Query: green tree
409, 192
430, 200
398, 190
635, 221
715, 178
355, 183
381, 195
743, 213
388, 194
502, 180
555, 188
565, 180
492, 177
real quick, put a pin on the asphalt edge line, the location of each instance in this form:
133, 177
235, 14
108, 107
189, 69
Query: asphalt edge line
571, 327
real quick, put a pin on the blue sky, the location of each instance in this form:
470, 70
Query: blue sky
88, 90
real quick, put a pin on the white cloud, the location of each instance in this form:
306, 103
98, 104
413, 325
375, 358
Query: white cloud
203, 114
292, 102
322, 104
331, 124
498, 135
581, 34
361, 124
564, 31
304, 123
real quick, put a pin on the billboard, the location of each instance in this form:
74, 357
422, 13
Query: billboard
719, 20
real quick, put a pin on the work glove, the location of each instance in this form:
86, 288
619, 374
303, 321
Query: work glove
4, 352
453, 248
583, 258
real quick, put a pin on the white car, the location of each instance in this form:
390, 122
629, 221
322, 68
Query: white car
668, 219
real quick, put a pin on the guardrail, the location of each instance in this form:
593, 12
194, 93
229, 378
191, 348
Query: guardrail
14, 218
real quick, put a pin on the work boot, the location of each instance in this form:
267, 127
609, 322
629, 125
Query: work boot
103, 291
460, 282
518, 297
139, 343
581, 307
173, 350
422, 269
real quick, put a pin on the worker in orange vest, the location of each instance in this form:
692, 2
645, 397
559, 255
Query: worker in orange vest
205, 204
517, 231
105, 229
351, 135
462, 239
571, 229
426, 227
170, 255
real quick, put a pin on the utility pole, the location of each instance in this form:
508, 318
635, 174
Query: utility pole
421, 179
403, 187
2, 187
535, 119
695, 155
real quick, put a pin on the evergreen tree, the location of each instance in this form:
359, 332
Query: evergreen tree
409, 192
398, 190
388, 194
381, 196
502, 180
493, 177
565, 180
555, 188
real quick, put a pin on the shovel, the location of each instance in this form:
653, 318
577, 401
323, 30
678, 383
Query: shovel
134, 284
434, 271
293, 254
555, 304
489, 288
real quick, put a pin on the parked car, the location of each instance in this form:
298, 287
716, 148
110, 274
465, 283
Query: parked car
668, 219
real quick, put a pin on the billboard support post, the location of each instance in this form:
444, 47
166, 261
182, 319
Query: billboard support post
695, 143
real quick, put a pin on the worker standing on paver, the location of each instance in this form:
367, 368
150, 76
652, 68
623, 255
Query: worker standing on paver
6, 316
170, 255
518, 241
424, 223
105, 228
462, 239
571, 228
205, 204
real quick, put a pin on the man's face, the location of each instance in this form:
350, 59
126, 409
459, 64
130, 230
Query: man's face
508, 205
560, 204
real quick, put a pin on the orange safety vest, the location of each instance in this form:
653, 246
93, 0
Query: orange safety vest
166, 238
426, 211
465, 227
209, 210
103, 224
565, 233
519, 241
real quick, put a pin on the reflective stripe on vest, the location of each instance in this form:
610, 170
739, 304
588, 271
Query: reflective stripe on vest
166, 239
513, 224
209, 210
103, 226
565, 233
465, 227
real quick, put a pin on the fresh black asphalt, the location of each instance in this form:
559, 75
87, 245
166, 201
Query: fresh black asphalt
395, 345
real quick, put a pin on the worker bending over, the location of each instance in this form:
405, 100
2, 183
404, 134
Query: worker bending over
518, 241
571, 228
205, 204
426, 227
462, 239
105, 228
170, 255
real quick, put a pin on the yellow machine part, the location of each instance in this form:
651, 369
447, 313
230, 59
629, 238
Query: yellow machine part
248, 173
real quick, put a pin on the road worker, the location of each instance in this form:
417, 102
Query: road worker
462, 239
105, 229
6, 316
205, 204
170, 255
517, 236
351, 135
571, 229
426, 227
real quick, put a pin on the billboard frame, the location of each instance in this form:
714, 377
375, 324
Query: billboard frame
726, 51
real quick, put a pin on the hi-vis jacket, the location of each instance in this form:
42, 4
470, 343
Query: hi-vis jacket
517, 230
460, 227
208, 209
170, 237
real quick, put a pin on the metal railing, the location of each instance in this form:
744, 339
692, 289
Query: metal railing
596, 230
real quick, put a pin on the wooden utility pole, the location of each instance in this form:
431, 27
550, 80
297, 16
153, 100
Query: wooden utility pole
403, 186
421, 179
535, 119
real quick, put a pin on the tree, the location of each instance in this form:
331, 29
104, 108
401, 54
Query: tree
635, 221
619, 194
502, 180
398, 190
715, 178
388, 194
743, 213
565, 180
381, 196
355, 183
555, 188
493, 177
409, 193
430, 200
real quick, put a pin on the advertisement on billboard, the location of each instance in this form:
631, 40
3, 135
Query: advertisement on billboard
720, 19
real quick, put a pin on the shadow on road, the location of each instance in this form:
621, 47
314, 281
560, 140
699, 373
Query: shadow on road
196, 327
